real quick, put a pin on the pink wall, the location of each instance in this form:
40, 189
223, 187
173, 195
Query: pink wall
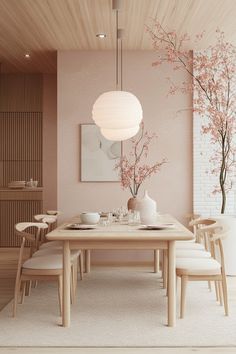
82, 76
50, 141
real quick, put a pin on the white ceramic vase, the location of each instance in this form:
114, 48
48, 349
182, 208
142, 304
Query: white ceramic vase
147, 208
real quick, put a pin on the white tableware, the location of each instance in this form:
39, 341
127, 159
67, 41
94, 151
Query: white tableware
80, 227
133, 217
89, 218
158, 227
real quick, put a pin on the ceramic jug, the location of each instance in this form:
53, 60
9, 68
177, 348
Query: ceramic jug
147, 208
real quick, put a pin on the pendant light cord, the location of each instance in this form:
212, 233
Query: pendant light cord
119, 58
121, 65
117, 54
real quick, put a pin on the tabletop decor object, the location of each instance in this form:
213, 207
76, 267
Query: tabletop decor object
133, 168
147, 208
213, 81
89, 218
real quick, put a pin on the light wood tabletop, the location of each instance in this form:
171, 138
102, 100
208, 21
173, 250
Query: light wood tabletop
123, 237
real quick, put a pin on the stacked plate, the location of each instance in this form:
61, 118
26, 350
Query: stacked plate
16, 184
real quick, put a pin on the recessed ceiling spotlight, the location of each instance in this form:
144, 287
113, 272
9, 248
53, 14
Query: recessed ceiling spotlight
101, 35
27, 56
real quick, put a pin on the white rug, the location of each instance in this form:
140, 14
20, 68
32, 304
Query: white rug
119, 307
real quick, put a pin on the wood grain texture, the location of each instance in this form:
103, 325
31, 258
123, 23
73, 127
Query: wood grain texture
21, 92
12, 212
20, 146
42, 27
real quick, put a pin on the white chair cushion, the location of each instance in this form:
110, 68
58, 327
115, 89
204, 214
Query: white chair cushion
44, 262
189, 245
197, 266
51, 244
185, 253
52, 251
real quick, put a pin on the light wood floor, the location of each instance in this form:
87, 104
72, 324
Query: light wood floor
8, 264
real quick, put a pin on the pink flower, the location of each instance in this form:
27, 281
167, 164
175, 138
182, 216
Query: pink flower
133, 171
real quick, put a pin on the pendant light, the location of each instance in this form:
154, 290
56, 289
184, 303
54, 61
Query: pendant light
117, 113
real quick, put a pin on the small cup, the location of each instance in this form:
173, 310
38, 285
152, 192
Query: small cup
133, 217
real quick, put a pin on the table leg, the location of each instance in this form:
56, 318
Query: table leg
66, 284
87, 261
156, 261
171, 284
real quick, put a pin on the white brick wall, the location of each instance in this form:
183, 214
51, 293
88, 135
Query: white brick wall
204, 202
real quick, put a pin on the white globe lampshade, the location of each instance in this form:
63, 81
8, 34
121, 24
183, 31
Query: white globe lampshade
118, 114
119, 134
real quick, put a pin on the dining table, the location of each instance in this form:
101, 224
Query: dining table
122, 236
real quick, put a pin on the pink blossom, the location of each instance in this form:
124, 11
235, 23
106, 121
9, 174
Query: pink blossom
133, 171
214, 82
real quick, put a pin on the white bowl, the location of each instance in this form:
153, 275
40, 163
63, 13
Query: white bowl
89, 218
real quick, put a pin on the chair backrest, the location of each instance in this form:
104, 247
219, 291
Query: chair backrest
51, 220
39, 217
32, 237
216, 234
199, 224
191, 217
53, 212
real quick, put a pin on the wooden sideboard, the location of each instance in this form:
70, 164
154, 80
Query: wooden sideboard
17, 206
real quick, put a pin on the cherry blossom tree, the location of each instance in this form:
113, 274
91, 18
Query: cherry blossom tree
212, 74
133, 169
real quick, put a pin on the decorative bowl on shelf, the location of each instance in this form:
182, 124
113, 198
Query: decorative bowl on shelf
16, 184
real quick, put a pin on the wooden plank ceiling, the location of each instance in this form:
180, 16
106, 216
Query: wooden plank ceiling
41, 27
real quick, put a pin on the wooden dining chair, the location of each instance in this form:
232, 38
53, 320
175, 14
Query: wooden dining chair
192, 217
208, 269
44, 267
57, 247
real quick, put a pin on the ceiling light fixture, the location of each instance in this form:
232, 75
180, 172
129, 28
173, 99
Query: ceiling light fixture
118, 113
27, 56
101, 35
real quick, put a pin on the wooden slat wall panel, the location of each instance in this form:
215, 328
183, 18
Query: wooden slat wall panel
20, 146
12, 212
12, 93
23, 194
21, 92
21, 150
21, 136
33, 90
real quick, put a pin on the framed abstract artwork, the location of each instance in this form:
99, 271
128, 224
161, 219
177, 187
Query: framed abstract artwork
98, 156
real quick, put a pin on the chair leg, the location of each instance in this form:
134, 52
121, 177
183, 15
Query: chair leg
165, 270
225, 295
72, 281
75, 273
216, 291
60, 293
16, 294
184, 280
28, 288
23, 292
220, 292
81, 265
156, 261
209, 285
